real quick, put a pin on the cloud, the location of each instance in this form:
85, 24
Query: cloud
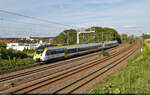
130, 27
125, 14
104, 1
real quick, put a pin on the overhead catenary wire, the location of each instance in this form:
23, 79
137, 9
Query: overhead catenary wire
22, 22
23, 29
34, 18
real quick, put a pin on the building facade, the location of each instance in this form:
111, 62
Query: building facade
22, 46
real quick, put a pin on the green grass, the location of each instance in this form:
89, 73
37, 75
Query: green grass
12, 59
103, 53
15, 63
134, 78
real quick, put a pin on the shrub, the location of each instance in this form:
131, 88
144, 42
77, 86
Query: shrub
103, 53
4, 53
29, 51
134, 78
15, 63
2, 45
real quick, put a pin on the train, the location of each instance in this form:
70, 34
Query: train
45, 53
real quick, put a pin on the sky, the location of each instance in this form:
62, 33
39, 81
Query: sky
126, 16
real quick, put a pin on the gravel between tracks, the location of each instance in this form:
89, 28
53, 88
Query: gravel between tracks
75, 78
23, 79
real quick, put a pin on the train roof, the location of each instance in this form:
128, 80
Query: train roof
46, 45
75, 45
111, 42
65, 46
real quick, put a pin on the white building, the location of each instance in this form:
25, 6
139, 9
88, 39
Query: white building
29, 38
22, 46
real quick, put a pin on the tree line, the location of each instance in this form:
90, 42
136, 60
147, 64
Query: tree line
145, 36
100, 34
10, 53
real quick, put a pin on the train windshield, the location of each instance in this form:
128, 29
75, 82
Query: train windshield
39, 51
41, 48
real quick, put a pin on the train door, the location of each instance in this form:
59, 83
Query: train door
65, 54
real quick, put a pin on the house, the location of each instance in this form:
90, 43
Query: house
22, 46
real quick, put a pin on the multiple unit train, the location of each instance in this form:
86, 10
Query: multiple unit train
46, 53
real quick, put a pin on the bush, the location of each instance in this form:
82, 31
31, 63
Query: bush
133, 79
15, 63
103, 53
11, 59
2, 45
29, 51
146, 50
4, 53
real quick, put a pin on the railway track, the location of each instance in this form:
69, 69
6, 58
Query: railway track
78, 84
11, 77
51, 80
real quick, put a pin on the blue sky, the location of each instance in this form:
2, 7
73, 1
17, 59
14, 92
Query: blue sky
126, 16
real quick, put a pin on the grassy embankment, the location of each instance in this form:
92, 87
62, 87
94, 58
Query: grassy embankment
13, 64
134, 78
12, 59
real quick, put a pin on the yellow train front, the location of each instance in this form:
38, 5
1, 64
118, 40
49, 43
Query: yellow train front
47, 53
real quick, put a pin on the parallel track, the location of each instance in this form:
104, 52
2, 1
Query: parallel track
46, 68
55, 78
72, 88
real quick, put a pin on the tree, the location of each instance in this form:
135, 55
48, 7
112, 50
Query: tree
145, 36
131, 39
101, 34
124, 38
2, 45
67, 36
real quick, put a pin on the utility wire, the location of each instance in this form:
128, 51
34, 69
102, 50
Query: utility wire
9, 20
44, 20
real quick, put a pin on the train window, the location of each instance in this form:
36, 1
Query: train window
39, 51
55, 51
109, 44
92, 47
100, 46
60, 50
48, 52
87, 48
82, 49
72, 50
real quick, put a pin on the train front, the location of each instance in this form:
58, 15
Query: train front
38, 53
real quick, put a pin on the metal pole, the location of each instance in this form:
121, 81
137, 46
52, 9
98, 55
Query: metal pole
142, 42
78, 33
94, 34
115, 36
67, 38
102, 36
106, 36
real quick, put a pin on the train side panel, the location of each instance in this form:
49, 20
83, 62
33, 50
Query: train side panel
65, 52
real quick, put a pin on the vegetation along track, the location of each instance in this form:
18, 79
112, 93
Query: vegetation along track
36, 85
10, 77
